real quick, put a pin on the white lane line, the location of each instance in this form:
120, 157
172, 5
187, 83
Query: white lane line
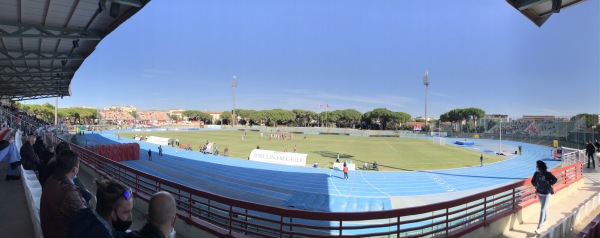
332, 183
361, 174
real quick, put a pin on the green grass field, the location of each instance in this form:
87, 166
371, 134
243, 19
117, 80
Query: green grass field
391, 153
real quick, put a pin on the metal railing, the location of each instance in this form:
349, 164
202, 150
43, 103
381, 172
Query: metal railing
225, 216
591, 230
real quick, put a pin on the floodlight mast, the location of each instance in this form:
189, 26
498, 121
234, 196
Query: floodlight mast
426, 83
233, 115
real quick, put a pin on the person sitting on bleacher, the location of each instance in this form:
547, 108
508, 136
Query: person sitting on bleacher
112, 216
60, 197
41, 151
30, 159
51, 167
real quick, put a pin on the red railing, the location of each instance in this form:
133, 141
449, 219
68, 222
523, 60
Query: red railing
225, 216
591, 230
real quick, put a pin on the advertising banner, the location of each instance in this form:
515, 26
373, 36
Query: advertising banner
276, 157
158, 140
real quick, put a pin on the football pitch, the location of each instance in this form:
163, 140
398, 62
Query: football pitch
391, 153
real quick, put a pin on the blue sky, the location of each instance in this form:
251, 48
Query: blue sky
349, 54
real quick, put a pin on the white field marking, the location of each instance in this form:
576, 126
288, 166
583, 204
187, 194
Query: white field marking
390, 145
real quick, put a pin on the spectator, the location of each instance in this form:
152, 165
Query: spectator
112, 216
51, 165
30, 159
161, 217
47, 155
597, 145
543, 180
41, 151
589, 150
60, 197
11, 155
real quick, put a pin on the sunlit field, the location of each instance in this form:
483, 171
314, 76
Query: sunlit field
391, 153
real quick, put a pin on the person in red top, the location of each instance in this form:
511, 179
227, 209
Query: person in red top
345, 172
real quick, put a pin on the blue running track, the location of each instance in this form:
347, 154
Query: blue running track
324, 189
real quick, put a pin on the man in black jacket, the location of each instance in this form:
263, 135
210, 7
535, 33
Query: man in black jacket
589, 150
161, 218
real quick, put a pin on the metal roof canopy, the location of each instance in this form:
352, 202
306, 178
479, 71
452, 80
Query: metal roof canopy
43, 43
538, 11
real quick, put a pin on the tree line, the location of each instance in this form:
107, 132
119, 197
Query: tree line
469, 115
74, 115
379, 118
461, 119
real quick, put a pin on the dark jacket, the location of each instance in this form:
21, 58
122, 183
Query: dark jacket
590, 148
148, 231
86, 224
30, 159
543, 181
48, 171
60, 200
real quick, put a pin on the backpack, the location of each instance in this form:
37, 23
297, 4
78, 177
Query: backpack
543, 185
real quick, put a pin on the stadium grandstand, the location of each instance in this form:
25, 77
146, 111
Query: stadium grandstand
153, 116
116, 115
540, 126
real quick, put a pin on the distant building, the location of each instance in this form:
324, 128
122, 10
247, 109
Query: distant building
216, 116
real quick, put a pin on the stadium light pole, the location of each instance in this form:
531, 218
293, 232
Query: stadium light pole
234, 85
426, 83
500, 135
56, 112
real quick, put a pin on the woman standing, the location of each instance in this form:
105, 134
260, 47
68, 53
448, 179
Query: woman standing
542, 181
